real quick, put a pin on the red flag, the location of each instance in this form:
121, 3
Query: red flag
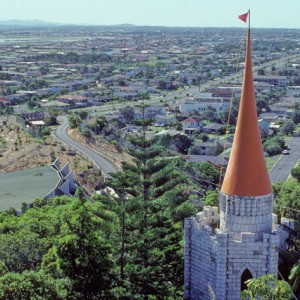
244, 17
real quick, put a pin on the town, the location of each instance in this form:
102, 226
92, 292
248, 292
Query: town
76, 102
187, 79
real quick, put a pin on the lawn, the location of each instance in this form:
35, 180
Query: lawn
271, 161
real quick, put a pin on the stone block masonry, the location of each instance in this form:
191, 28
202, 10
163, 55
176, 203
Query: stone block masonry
215, 259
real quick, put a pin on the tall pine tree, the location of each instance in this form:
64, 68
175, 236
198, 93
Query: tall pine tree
148, 201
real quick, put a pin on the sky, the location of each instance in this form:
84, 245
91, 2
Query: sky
183, 13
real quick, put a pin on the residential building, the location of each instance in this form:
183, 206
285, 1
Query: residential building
226, 92
293, 91
278, 81
191, 125
213, 128
164, 120
202, 102
74, 100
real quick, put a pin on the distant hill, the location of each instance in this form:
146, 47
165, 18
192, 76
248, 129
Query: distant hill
126, 25
36, 22
27, 23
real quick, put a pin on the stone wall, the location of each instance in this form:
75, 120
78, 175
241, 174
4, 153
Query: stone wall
215, 259
246, 214
256, 252
200, 260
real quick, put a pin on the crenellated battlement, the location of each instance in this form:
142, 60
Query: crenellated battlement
208, 217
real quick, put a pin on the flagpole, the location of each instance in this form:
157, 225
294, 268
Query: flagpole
249, 19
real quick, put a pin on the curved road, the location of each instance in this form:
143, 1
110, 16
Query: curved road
102, 162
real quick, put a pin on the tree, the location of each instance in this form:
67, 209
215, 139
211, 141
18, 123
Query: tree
295, 278
286, 194
121, 83
58, 249
182, 143
45, 132
121, 182
296, 172
33, 102
274, 145
296, 114
203, 174
98, 125
31, 285
261, 72
267, 287
81, 254
217, 150
162, 84
288, 127
204, 137
21, 251
211, 198
86, 132
127, 113
149, 204
262, 104
74, 121
83, 114
210, 114
232, 118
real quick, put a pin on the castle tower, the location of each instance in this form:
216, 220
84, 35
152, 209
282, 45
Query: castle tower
218, 261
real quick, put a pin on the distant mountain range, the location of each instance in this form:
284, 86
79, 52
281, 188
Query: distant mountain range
37, 22
27, 23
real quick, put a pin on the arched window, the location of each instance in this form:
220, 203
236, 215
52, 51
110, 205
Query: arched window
245, 276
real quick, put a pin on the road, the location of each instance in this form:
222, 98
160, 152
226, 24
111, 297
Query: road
282, 169
102, 162
280, 172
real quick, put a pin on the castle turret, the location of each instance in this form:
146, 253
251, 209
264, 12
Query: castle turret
218, 261
246, 199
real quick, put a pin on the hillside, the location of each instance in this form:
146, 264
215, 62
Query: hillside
19, 151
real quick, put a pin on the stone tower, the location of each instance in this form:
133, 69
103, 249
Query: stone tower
225, 248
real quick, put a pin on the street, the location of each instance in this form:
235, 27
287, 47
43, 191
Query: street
102, 162
282, 169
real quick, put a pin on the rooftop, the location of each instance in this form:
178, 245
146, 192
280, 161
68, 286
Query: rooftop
247, 173
26, 185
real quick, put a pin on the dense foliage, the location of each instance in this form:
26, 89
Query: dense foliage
267, 287
58, 250
125, 244
150, 203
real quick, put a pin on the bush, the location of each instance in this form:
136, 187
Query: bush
45, 132
274, 146
273, 149
296, 173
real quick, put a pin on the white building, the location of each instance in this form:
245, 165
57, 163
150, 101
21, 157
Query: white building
280, 81
202, 102
191, 125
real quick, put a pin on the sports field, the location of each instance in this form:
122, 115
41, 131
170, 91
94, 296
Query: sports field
26, 185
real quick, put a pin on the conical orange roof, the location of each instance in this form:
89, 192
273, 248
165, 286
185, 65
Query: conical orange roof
246, 174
